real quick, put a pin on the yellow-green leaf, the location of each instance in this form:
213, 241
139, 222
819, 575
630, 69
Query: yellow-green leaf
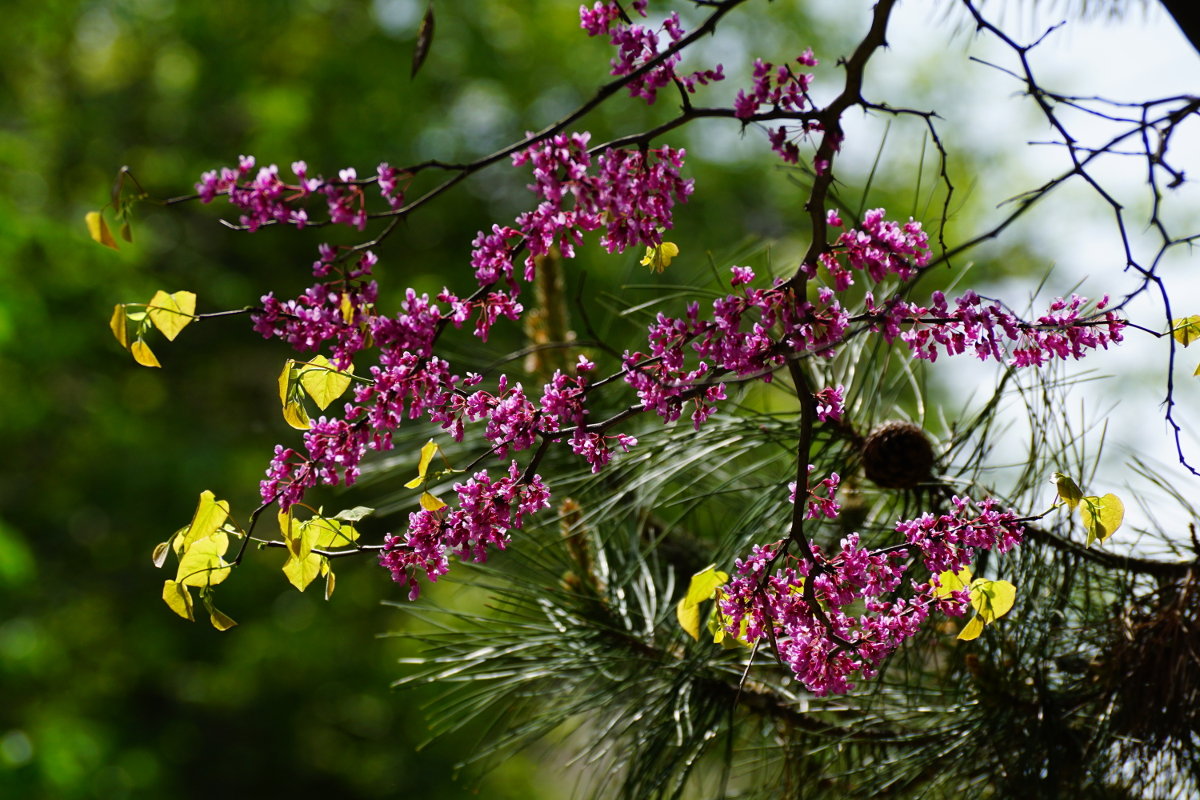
1186, 330
171, 313
295, 415
126, 232
142, 354
1197, 372
302, 539
353, 515
992, 599
704, 584
330, 582
431, 503
332, 533
952, 582
659, 258
202, 564
284, 518
323, 382
98, 229
689, 618
117, 325
1068, 490
427, 453
301, 572
1101, 516
972, 630
178, 599
717, 623
207, 519
220, 621
286, 379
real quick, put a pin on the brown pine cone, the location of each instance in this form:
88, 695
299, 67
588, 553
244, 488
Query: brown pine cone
898, 455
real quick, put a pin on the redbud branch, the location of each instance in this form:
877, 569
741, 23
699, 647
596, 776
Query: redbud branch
831, 138
354, 551
246, 535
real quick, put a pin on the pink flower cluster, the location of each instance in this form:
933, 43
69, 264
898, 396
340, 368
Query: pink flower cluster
819, 505
1067, 330
802, 609
485, 512
880, 248
638, 45
337, 312
334, 450
783, 89
265, 198
831, 403
947, 542
631, 195
749, 334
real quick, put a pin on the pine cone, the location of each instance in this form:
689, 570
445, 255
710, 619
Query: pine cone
898, 455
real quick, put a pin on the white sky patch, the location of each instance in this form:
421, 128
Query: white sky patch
1140, 57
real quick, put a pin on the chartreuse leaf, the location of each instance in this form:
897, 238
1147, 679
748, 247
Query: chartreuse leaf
330, 582
219, 619
332, 533
171, 313
659, 257
972, 629
703, 586
991, 600
300, 536
323, 382
431, 502
202, 564
179, 599
295, 415
286, 379
952, 582
289, 396
142, 353
98, 229
718, 622
117, 324
354, 514
1186, 330
1101, 516
302, 565
704, 583
689, 619
1068, 490
301, 572
207, 519
427, 453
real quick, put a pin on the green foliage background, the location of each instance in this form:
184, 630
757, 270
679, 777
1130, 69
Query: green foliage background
106, 693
